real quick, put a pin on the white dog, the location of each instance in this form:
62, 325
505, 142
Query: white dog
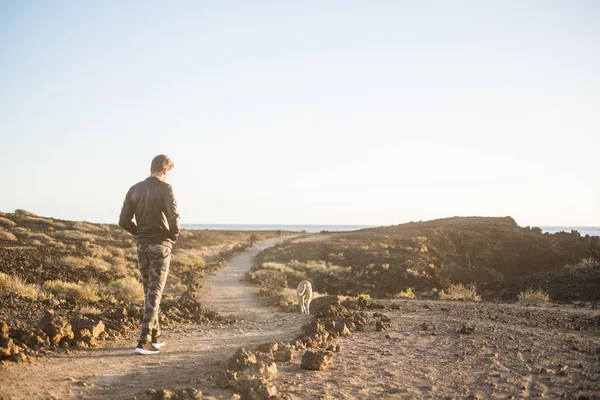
304, 292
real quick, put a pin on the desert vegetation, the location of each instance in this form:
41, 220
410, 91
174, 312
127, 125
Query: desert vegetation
533, 297
84, 270
455, 258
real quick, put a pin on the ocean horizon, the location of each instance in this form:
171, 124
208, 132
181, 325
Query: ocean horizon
583, 230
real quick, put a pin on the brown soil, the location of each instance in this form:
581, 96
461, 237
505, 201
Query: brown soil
191, 358
443, 349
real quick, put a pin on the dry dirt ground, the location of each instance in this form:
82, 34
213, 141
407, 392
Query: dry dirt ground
432, 349
503, 351
191, 358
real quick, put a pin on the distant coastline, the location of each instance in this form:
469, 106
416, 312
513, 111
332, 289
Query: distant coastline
583, 230
276, 227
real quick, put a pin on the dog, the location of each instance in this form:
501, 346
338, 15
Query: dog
304, 292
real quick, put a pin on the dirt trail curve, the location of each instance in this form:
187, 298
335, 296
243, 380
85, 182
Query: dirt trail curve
191, 358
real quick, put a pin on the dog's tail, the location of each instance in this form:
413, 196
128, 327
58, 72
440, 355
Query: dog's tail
303, 289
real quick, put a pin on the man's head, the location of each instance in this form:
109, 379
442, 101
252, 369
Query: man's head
161, 165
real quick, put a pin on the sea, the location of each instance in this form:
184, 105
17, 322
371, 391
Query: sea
583, 230
276, 227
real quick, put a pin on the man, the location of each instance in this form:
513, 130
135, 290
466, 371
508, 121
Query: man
153, 204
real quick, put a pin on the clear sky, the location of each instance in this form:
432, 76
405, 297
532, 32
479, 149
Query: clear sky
315, 112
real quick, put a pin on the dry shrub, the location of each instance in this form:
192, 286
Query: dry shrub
90, 310
406, 294
115, 251
38, 220
75, 292
58, 245
86, 227
127, 289
7, 222
98, 263
59, 225
21, 232
73, 262
20, 211
588, 262
36, 243
533, 297
458, 291
294, 271
16, 286
75, 235
42, 237
191, 261
7, 236
119, 265
93, 250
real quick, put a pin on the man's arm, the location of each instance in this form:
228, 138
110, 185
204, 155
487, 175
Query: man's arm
172, 213
126, 217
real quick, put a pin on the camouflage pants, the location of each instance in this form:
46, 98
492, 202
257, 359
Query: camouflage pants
153, 261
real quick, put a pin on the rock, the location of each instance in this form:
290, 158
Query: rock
376, 306
349, 304
3, 330
424, 326
162, 394
58, 330
269, 347
334, 347
322, 306
118, 314
254, 389
247, 364
342, 329
316, 361
95, 328
8, 349
381, 326
225, 378
362, 302
263, 369
189, 394
360, 328
426, 306
547, 371
283, 355
377, 314
33, 339
395, 306
466, 330
386, 319
445, 309
241, 360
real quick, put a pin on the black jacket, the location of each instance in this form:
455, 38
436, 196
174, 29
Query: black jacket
153, 204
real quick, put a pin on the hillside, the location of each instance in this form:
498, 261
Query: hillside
429, 256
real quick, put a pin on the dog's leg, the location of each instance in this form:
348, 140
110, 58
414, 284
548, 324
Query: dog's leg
309, 298
300, 303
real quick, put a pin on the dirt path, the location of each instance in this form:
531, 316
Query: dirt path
191, 358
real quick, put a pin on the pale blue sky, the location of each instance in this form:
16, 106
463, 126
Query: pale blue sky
316, 112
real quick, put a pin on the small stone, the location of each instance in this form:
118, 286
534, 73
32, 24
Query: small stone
316, 361
466, 330
380, 326
269, 347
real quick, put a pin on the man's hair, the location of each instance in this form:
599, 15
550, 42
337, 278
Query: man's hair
160, 162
